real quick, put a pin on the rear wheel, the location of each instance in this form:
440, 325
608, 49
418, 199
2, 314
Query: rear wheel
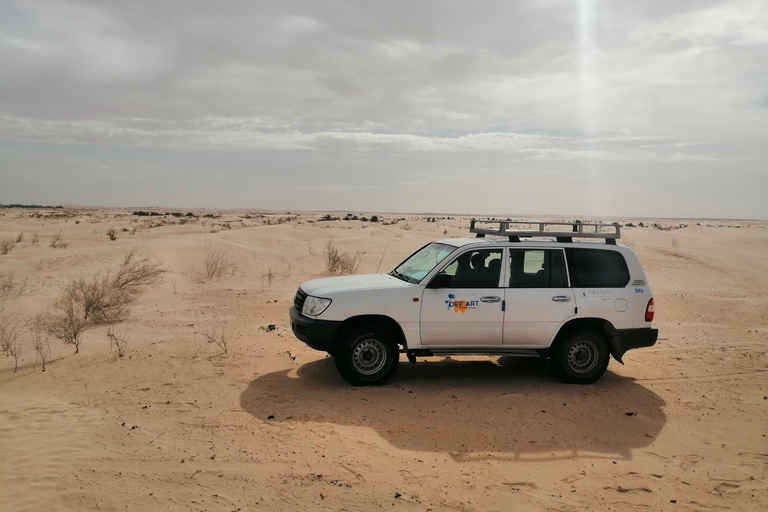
580, 357
367, 357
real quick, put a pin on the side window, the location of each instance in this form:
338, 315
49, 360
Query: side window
597, 268
537, 268
475, 269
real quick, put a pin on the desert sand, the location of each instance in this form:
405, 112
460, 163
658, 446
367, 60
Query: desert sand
179, 423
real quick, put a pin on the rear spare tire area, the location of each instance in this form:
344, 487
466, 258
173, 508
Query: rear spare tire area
580, 357
367, 357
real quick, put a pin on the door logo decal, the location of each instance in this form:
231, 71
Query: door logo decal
459, 305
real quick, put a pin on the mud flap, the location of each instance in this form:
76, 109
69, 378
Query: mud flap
616, 350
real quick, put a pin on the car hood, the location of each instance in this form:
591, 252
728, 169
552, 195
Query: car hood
332, 285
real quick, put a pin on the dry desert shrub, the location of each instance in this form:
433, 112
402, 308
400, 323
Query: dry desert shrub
338, 260
10, 343
134, 275
309, 246
39, 334
119, 343
58, 242
66, 320
11, 287
104, 298
217, 262
7, 284
112, 234
219, 339
101, 300
7, 245
269, 276
35, 239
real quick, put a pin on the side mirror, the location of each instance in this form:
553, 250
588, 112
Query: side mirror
440, 281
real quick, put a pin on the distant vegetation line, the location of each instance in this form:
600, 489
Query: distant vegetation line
30, 206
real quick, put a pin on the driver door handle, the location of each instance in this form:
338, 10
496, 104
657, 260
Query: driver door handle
490, 299
561, 298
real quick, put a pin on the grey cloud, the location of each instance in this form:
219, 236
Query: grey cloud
236, 134
517, 83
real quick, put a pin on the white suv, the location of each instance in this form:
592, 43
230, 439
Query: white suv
574, 302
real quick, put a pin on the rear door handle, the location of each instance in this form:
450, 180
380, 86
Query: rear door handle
490, 299
561, 298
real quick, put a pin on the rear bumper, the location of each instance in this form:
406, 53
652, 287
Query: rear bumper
627, 339
317, 334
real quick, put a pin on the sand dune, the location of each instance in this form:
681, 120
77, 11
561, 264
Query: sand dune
179, 424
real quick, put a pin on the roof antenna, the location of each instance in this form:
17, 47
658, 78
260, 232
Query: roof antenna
382, 257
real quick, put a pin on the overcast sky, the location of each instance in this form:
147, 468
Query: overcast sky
573, 107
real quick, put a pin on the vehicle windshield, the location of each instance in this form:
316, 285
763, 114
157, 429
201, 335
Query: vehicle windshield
420, 263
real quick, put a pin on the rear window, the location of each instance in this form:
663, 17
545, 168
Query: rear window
595, 268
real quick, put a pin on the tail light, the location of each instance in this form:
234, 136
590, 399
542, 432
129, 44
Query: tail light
649, 311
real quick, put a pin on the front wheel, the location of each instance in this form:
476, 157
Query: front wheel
367, 358
581, 357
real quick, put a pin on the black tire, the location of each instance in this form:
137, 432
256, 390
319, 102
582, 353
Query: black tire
580, 357
367, 357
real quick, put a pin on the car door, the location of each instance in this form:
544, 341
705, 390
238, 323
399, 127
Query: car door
600, 280
538, 298
463, 304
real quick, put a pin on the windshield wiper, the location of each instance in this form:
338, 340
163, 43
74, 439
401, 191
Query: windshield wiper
398, 275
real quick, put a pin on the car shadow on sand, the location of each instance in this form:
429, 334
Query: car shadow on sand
509, 408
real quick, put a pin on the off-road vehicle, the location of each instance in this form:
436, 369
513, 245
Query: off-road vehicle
531, 291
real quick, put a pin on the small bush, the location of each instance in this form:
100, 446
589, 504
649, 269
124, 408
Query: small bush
102, 299
7, 245
20, 237
57, 242
134, 275
269, 276
35, 239
7, 284
112, 234
119, 343
10, 286
216, 263
39, 334
219, 340
66, 321
10, 344
344, 262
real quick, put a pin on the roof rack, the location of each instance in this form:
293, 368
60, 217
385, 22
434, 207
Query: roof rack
516, 229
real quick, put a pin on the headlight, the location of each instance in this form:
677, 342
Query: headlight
313, 306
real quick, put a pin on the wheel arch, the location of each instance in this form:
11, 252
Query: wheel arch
599, 325
358, 322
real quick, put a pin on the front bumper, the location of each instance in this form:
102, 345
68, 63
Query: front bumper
317, 334
627, 339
